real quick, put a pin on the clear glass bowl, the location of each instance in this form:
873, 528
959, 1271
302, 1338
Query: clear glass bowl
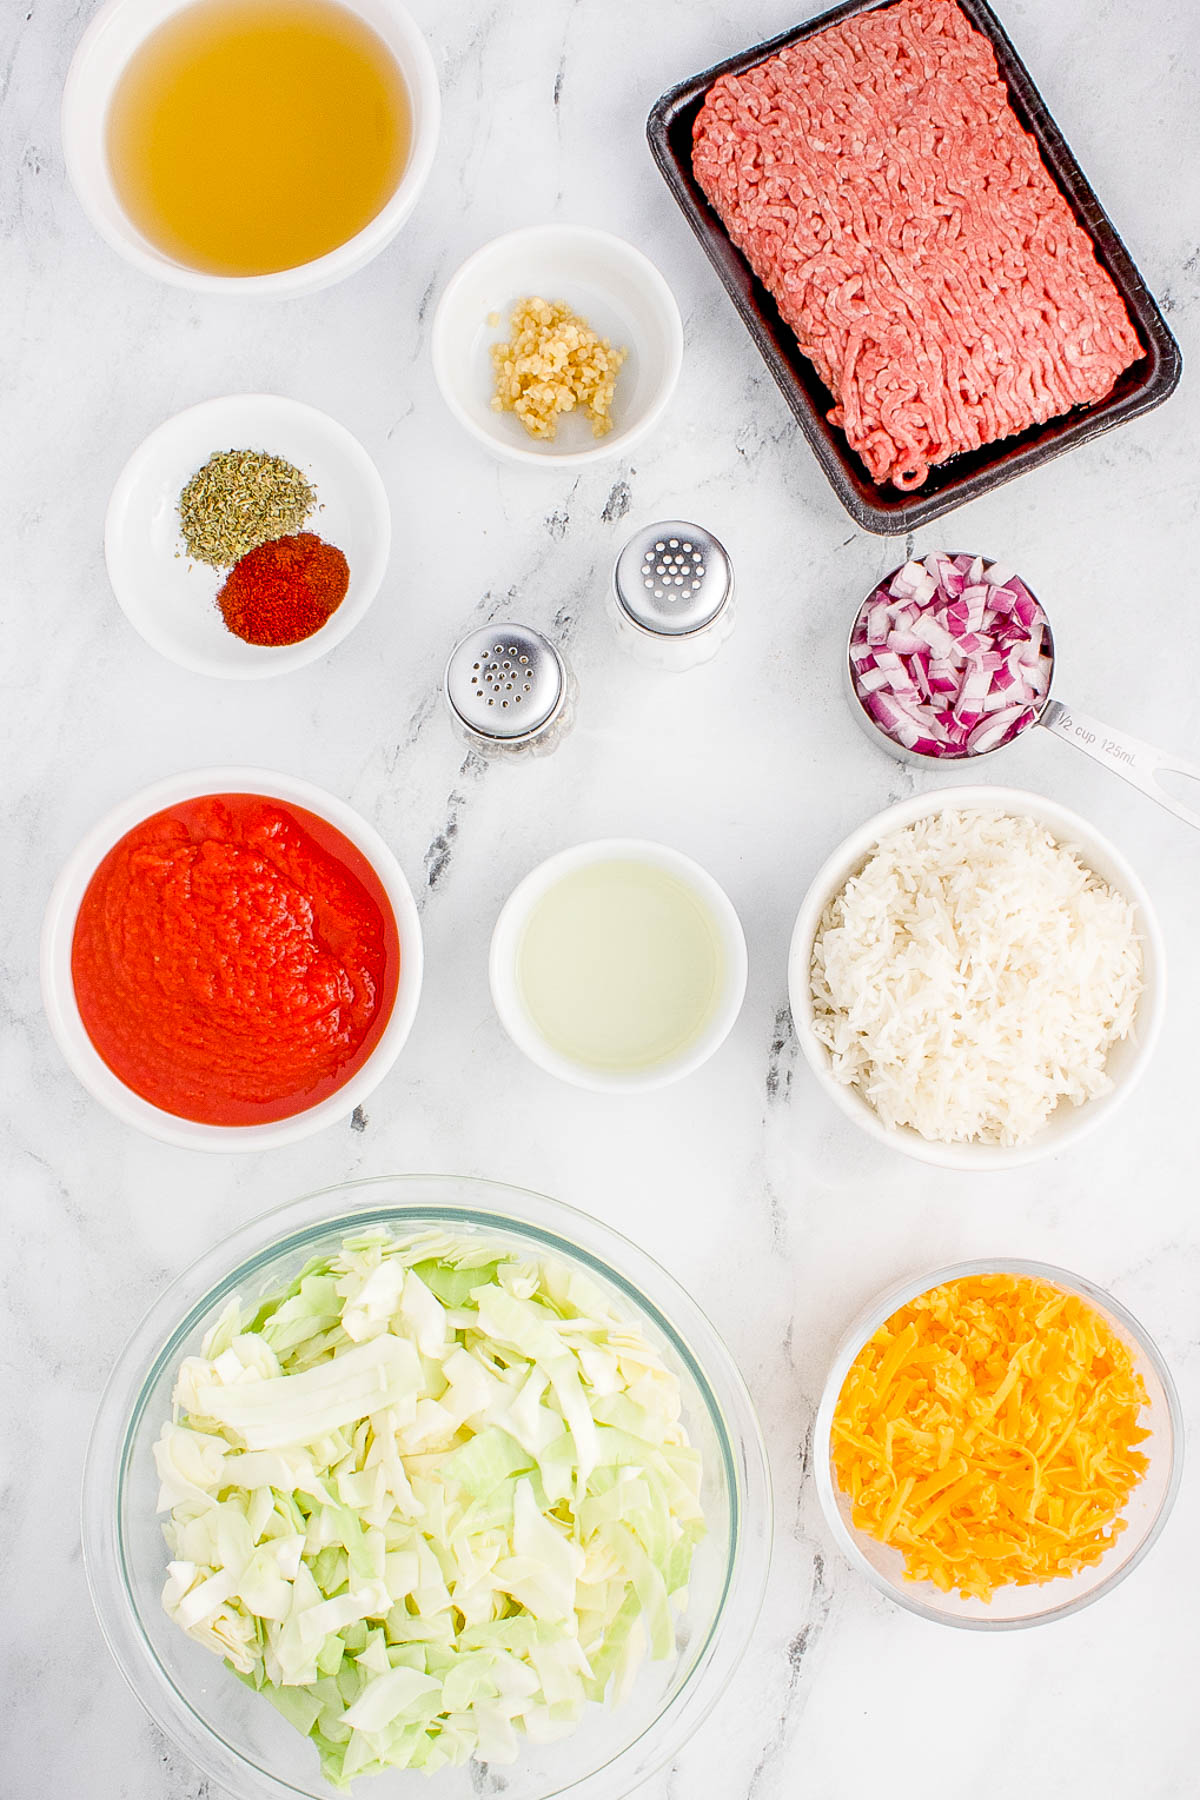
1012, 1607
235, 1736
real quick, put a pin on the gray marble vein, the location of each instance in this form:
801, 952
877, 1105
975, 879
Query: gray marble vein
744, 1180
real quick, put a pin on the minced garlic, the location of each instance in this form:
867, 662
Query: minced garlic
554, 363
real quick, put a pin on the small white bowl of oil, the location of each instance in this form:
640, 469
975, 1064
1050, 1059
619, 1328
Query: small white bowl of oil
618, 965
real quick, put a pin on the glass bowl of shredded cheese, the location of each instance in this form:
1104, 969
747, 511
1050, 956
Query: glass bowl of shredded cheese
999, 1444
427, 1548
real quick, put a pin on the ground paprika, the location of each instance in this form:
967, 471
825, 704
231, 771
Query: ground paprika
284, 590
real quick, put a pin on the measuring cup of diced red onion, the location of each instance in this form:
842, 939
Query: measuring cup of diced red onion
952, 658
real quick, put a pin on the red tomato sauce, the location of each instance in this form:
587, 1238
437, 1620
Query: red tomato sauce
235, 960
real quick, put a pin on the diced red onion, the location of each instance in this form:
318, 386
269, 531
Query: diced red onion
907, 643
940, 641
994, 702
994, 730
950, 656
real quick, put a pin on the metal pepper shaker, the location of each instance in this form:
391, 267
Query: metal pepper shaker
510, 692
672, 595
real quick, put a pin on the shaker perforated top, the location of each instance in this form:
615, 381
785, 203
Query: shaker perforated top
506, 681
673, 578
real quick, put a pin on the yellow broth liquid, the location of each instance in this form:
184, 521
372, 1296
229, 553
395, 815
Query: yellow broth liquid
248, 136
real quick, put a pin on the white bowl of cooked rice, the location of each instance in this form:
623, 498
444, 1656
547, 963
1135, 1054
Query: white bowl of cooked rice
977, 977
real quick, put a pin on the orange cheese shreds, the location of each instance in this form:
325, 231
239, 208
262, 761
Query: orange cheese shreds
988, 1432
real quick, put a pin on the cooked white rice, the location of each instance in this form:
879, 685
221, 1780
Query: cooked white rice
974, 975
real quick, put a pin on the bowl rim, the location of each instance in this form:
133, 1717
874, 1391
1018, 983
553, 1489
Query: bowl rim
843, 861
875, 1314
82, 92
58, 927
273, 660
505, 943
563, 1230
657, 290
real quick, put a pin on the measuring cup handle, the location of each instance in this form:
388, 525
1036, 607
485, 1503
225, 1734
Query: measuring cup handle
1129, 757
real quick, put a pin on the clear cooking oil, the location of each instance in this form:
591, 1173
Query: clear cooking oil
620, 966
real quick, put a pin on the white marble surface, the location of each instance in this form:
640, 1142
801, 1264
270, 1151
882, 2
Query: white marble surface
744, 1180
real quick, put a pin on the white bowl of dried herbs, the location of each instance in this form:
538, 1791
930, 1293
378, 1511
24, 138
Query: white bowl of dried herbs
247, 536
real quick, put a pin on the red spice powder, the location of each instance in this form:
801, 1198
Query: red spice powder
284, 590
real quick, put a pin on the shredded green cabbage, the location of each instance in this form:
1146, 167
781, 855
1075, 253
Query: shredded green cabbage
428, 1498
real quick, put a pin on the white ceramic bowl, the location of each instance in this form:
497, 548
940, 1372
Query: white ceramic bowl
116, 31
613, 286
170, 600
58, 990
506, 943
1010, 1607
1126, 1060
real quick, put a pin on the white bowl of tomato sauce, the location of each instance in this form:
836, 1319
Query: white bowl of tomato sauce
231, 960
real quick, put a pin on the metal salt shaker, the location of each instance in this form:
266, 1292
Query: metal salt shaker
672, 595
510, 692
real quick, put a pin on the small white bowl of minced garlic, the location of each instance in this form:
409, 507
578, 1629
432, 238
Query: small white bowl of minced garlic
557, 344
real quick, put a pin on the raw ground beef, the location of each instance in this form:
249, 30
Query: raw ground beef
880, 186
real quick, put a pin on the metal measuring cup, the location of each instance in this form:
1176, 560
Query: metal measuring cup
1129, 757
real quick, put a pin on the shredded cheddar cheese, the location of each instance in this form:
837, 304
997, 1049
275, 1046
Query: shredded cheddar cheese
988, 1432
